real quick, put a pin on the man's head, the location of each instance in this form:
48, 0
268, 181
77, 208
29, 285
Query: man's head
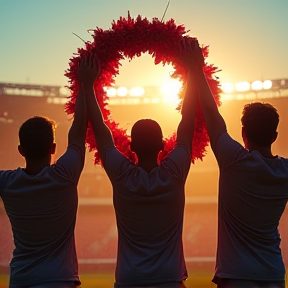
36, 137
260, 121
146, 138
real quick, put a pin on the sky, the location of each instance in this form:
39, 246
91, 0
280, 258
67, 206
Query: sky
248, 39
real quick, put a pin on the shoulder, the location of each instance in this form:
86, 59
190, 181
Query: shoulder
71, 163
278, 161
281, 158
8, 175
75, 149
115, 163
72, 152
181, 148
227, 150
180, 153
178, 161
225, 141
112, 155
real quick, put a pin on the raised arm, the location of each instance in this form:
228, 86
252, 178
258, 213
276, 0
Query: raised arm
77, 132
214, 121
102, 133
186, 126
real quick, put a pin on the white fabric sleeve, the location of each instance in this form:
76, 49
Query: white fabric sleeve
227, 149
114, 162
179, 160
71, 163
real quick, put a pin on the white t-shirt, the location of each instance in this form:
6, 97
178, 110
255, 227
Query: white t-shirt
149, 212
253, 192
42, 211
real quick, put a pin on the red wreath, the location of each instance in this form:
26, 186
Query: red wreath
128, 38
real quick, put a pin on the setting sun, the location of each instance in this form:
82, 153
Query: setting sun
170, 90
141, 71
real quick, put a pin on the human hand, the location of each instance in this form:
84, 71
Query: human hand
191, 55
89, 69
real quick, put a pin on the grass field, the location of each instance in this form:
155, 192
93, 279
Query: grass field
196, 280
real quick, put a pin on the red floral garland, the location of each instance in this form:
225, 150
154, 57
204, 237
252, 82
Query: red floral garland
128, 38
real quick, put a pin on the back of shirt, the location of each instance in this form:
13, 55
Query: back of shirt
253, 192
42, 211
149, 212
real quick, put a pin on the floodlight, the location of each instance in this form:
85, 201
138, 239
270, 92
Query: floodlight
111, 92
122, 91
267, 84
227, 87
137, 91
257, 85
64, 91
242, 86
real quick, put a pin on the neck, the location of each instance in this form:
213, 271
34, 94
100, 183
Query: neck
33, 167
147, 163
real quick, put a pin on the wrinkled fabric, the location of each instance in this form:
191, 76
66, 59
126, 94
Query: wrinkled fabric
42, 211
253, 192
149, 213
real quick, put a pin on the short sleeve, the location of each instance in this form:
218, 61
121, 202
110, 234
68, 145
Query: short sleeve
179, 161
71, 163
5, 175
114, 163
2, 180
227, 150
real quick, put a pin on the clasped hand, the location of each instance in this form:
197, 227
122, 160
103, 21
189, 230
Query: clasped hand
89, 69
191, 55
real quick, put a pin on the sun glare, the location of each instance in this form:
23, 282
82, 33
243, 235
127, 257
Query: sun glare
257, 85
242, 86
142, 72
111, 92
137, 91
170, 90
122, 91
267, 84
227, 87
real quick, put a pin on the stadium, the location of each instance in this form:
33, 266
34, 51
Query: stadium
96, 232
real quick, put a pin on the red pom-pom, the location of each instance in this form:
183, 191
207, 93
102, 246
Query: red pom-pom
128, 38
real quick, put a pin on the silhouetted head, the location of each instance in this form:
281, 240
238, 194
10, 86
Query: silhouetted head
36, 137
260, 121
146, 138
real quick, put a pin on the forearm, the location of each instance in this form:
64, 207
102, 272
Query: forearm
186, 127
102, 133
94, 111
191, 95
77, 132
214, 121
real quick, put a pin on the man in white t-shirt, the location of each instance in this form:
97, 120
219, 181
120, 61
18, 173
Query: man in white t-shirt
41, 200
149, 197
253, 192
